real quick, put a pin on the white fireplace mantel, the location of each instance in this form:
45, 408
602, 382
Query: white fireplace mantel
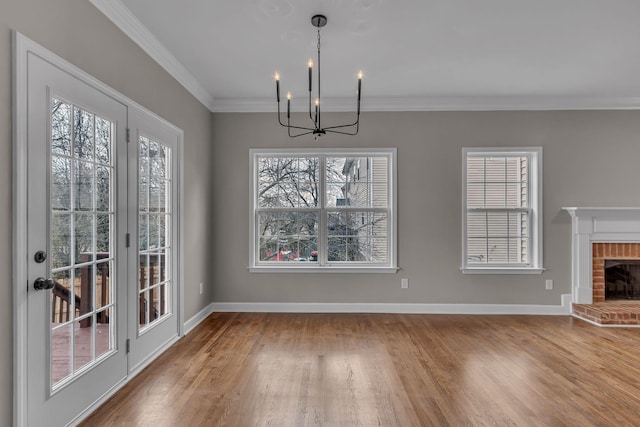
596, 225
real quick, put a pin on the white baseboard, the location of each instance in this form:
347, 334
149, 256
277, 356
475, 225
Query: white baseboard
132, 373
188, 326
282, 307
197, 318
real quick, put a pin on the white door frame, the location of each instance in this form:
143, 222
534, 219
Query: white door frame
22, 46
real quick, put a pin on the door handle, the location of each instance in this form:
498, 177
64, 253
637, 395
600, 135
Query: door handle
43, 284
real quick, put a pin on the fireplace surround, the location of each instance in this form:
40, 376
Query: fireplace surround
599, 234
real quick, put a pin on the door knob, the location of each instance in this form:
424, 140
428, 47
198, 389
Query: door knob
41, 284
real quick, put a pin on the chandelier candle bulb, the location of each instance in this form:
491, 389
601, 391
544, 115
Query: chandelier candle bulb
310, 72
288, 105
277, 77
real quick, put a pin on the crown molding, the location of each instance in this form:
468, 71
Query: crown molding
438, 103
122, 17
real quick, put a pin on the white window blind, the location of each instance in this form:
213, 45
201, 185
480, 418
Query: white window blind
501, 199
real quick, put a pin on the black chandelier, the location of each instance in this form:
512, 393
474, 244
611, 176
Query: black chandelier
317, 130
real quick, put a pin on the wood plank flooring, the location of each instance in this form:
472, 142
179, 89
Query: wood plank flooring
260, 369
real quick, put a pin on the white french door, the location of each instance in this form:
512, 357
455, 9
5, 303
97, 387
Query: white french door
97, 248
76, 226
153, 176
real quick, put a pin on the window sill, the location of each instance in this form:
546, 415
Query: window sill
501, 270
306, 269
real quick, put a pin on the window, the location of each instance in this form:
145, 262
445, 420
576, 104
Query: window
502, 217
329, 210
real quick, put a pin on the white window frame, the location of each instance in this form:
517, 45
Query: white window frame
256, 266
534, 265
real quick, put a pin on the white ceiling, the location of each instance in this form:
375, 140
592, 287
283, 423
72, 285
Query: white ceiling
415, 54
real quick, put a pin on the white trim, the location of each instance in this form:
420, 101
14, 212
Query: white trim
438, 103
134, 370
84, 414
21, 47
391, 266
535, 201
180, 232
198, 318
306, 269
504, 270
589, 225
95, 405
122, 17
400, 308
20, 319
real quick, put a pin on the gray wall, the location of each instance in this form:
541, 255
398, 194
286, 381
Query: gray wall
590, 158
79, 33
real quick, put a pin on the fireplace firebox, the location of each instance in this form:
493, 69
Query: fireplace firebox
621, 279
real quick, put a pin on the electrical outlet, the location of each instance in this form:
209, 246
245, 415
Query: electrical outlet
405, 283
548, 284
201, 288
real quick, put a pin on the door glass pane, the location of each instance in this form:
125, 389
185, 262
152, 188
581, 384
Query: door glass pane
103, 180
61, 183
103, 339
103, 288
60, 353
84, 186
84, 134
103, 141
143, 308
154, 217
62, 305
61, 245
81, 240
83, 343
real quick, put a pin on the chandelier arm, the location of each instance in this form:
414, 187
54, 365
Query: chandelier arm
300, 134
344, 133
297, 127
279, 119
343, 126
289, 125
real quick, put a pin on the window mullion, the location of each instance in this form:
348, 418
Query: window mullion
323, 240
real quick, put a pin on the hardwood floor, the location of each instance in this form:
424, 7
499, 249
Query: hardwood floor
259, 369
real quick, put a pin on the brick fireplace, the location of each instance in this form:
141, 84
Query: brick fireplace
602, 252
600, 235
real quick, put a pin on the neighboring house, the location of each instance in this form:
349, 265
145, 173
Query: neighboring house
366, 186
